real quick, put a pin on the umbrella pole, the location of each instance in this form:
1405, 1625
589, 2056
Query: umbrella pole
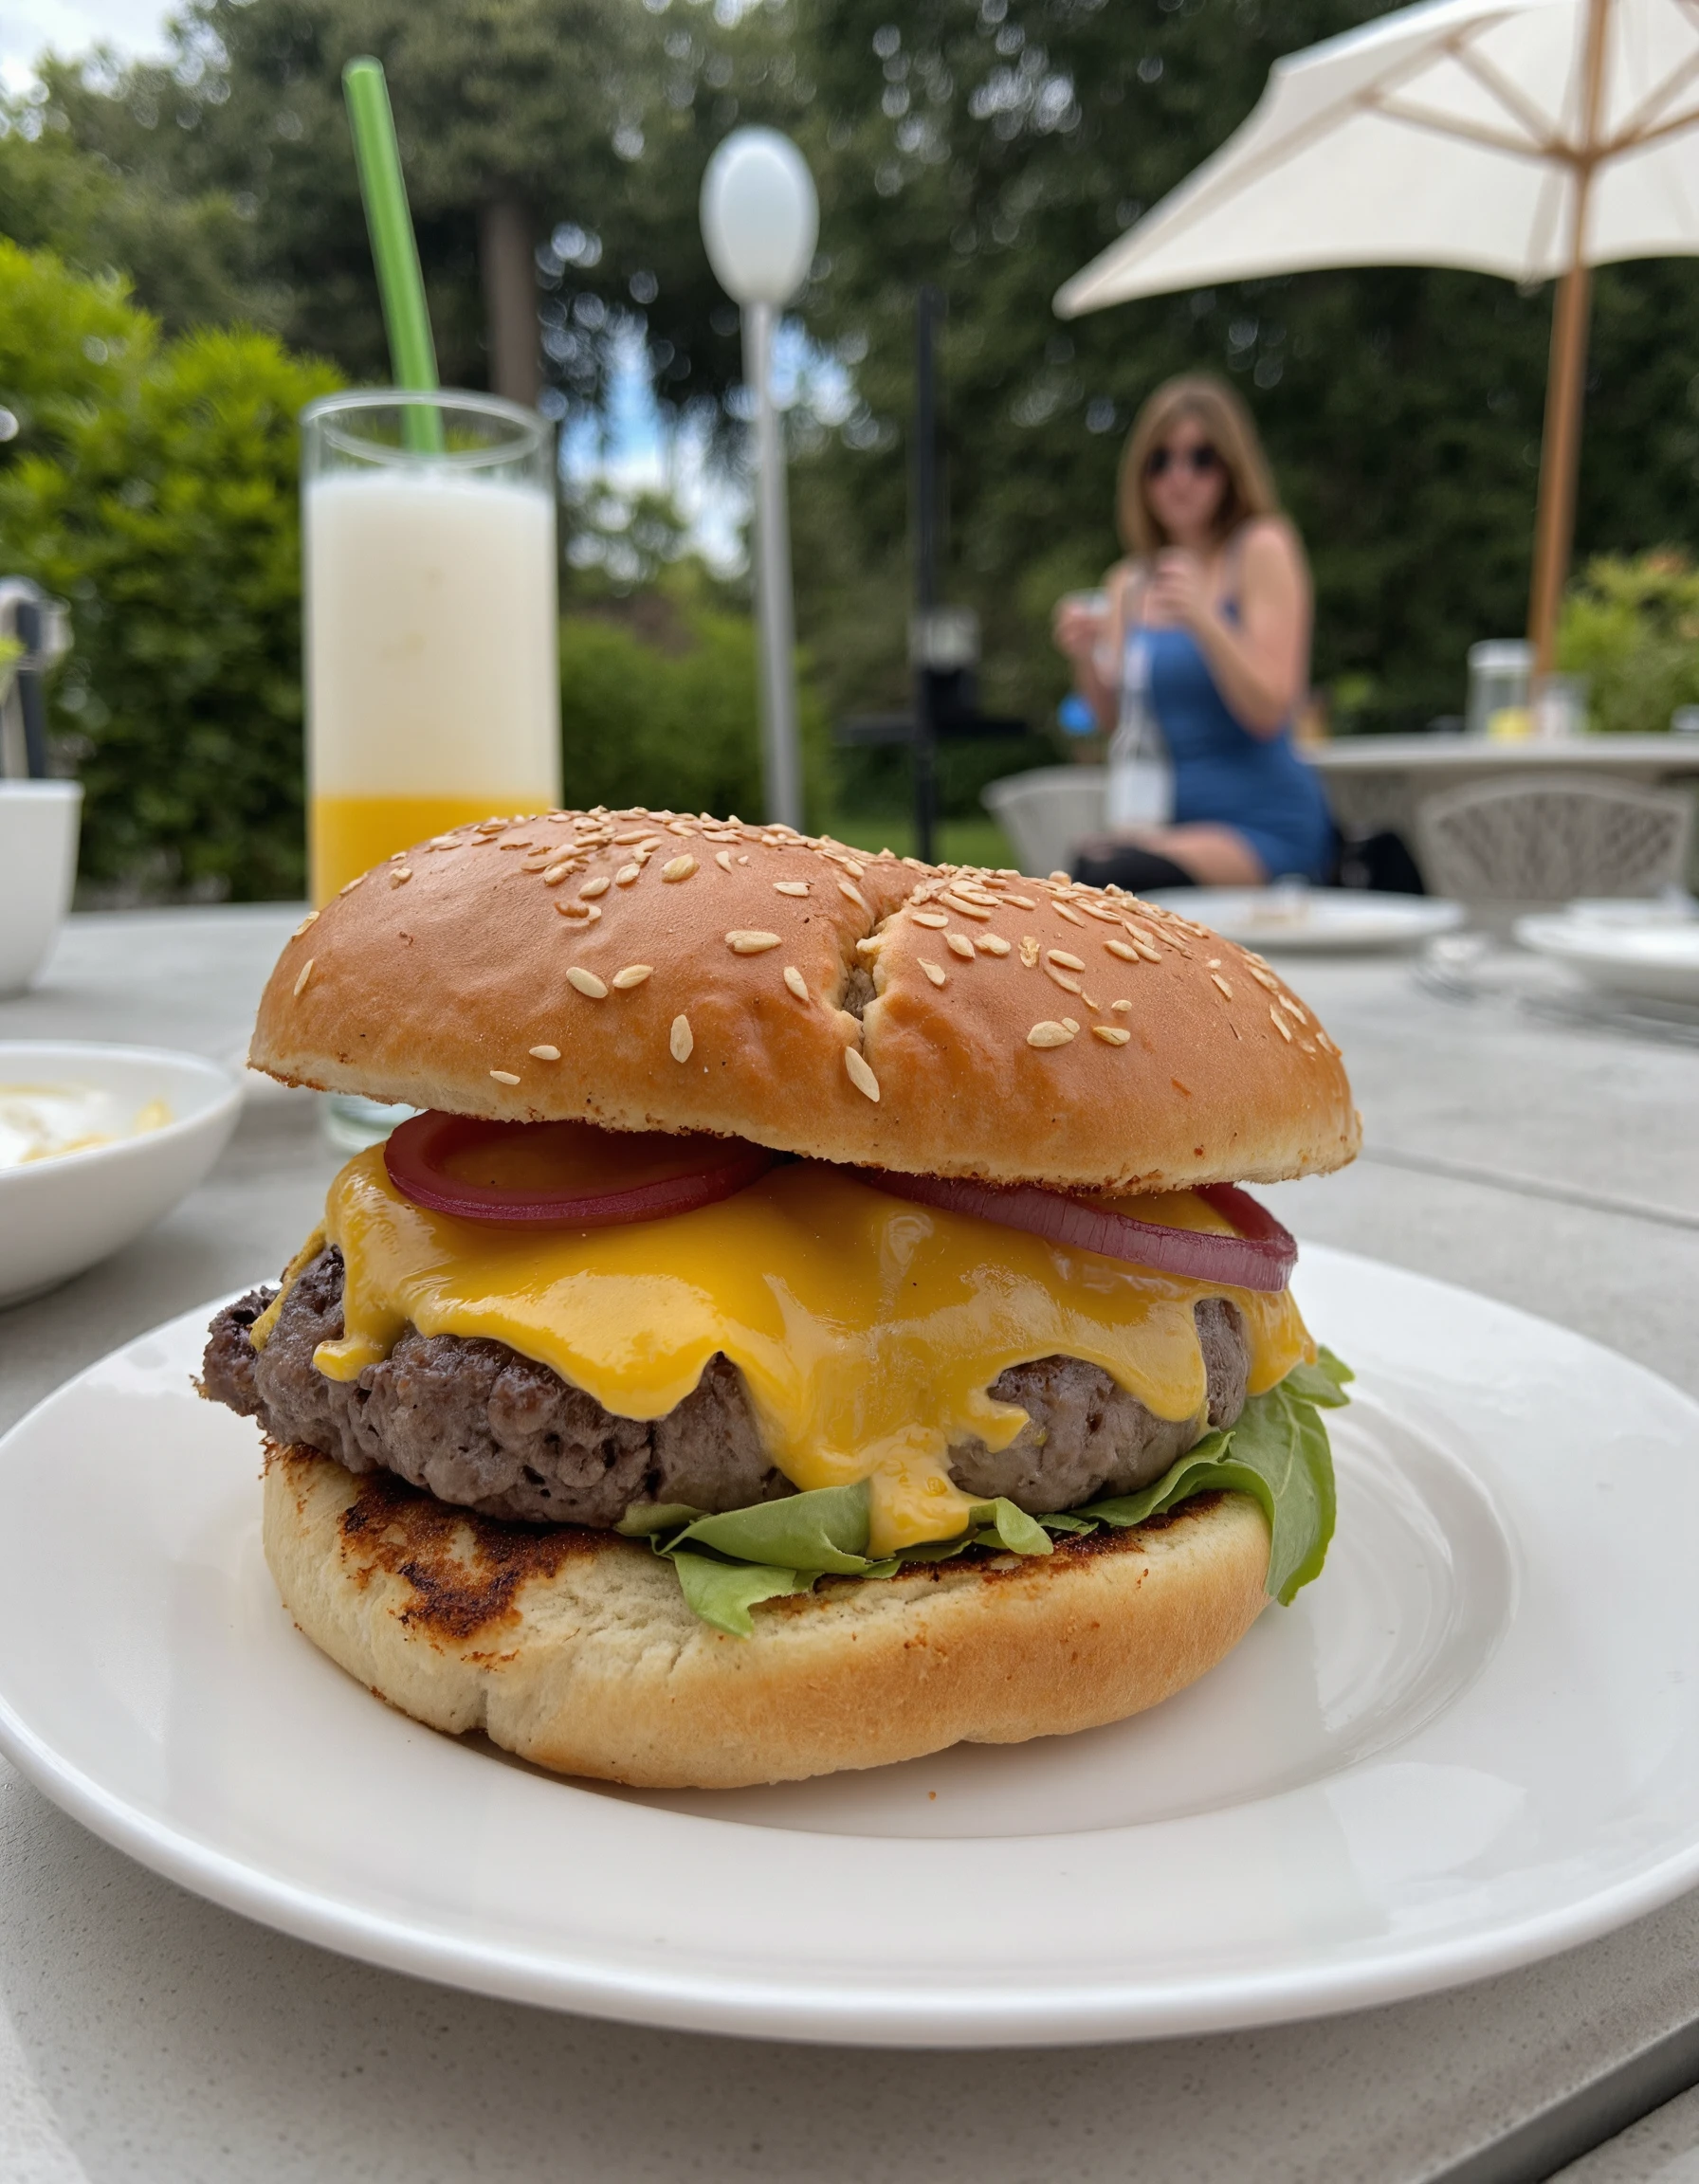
1560, 462
1560, 452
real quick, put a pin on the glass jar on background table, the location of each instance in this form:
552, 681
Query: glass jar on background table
432, 637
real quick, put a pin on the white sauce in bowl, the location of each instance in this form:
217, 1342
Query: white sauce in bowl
41, 1122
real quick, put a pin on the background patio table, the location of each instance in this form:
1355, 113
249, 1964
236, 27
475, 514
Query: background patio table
1377, 781
145, 2034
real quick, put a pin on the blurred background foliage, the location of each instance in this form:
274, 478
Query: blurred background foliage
1630, 625
988, 146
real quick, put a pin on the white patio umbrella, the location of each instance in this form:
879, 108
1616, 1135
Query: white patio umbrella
1524, 137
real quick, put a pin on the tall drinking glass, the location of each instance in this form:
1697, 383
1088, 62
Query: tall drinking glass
432, 633
431, 620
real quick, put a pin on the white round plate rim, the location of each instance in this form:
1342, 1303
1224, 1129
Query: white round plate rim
1659, 945
1335, 920
903, 1991
224, 1095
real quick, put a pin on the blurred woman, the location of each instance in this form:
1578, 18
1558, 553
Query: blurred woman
1208, 625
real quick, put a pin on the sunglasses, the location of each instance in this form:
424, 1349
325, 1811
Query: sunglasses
1201, 461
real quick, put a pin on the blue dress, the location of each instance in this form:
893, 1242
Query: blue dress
1257, 785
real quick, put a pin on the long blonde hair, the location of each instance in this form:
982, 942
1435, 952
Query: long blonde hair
1216, 409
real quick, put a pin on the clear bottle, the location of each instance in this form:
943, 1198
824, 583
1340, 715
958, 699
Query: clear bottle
1140, 773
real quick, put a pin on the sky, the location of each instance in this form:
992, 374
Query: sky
28, 27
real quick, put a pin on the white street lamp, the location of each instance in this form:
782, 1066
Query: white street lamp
759, 220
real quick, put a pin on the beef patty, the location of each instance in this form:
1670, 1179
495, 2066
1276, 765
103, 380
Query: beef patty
474, 1423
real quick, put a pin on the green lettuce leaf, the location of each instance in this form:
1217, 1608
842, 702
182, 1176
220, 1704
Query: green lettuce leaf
1277, 1452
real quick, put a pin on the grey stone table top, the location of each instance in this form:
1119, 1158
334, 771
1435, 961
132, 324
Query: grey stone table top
147, 2036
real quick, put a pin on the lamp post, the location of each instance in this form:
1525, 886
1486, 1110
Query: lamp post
759, 221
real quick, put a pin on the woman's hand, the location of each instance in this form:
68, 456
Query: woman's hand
1076, 628
1178, 595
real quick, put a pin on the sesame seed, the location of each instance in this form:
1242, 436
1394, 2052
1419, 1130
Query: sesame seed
589, 912
936, 971
1281, 1025
1069, 1026
524, 843
1066, 961
1307, 1045
545, 1053
1121, 1008
742, 859
679, 1040
853, 870
1021, 902
401, 875
351, 885
991, 944
1292, 1008
1029, 950
796, 981
958, 944
679, 868
1265, 978
848, 889
443, 842
681, 827
311, 918
307, 971
1216, 980
625, 874
1049, 1034
935, 919
634, 974
587, 983
554, 875
723, 859
742, 942
599, 885
1062, 911
1101, 912
1213, 963
1087, 999
632, 834
1111, 1034
1063, 879
1062, 978
503, 1076
860, 1075
1125, 949
790, 886
964, 907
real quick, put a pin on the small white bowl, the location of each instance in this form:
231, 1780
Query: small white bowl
38, 868
63, 1213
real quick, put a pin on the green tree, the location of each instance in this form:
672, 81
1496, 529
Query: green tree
580, 126
187, 259
157, 493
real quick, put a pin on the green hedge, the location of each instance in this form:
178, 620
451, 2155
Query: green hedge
671, 724
154, 487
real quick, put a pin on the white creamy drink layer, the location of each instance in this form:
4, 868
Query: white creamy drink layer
430, 633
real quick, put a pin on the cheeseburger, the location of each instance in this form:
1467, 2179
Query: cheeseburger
814, 1318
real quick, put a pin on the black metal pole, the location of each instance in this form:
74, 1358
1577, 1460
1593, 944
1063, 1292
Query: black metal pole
929, 307
29, 625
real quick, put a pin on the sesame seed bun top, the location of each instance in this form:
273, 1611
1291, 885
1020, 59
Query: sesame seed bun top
651, 971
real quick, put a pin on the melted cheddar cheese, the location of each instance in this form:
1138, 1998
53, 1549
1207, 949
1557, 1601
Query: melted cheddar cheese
867, 1329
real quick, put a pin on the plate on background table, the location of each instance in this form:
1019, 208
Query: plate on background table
1316, 921
1656, 961
1473, 1742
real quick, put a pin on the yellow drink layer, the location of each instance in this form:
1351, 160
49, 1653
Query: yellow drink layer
868, 1330
348, 834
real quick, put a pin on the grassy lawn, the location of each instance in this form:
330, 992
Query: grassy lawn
960, 841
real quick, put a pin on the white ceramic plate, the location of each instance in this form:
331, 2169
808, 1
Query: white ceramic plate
1655, 961
1474, 1740
1318, 921
62, 1215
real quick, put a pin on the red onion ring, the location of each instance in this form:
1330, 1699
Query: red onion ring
1260, 1256
414, 1155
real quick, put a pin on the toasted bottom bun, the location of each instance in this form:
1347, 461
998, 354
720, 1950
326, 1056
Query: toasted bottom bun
575, 1649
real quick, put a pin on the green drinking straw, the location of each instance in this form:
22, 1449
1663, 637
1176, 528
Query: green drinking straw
395, 248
